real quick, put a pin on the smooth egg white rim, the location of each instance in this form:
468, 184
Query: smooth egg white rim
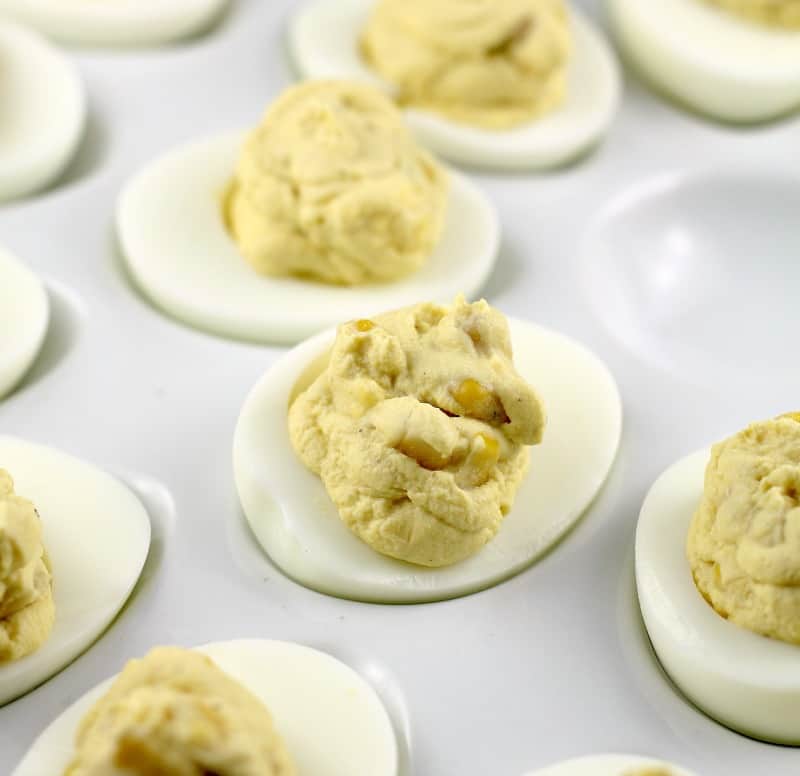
72, 495
743, 674
323, 42
121, 23
709, 54
181, 257
284, 503
50, 143
55, 745
22, 339
607, 765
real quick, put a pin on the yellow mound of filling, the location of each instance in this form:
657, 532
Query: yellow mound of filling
27, 611
775, 13
744, 540
491, 63
175, 713
332, 187
418, 428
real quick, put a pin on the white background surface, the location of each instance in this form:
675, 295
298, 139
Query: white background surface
549, 665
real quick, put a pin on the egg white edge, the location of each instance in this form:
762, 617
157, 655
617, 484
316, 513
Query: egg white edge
127, 527
256, 307
32, 297
700, 70
323, 39
606, 765
54, 747
735, 676
31, 170
143, 23
323, 557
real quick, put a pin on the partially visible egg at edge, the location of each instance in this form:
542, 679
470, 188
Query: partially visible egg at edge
743, 680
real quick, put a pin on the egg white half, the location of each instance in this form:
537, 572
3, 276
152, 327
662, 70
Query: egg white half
116, 23
24, 315
608, 765
97, 535
42, 111
743, 680
323, 38
298, 526
332, 721
182, 257
718, 64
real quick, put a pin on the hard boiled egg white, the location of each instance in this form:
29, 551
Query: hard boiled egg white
324, 36
24, 314
611, 765
42, 111
97, 535
729, 68
298, 526
332, 721
744, 680
180, 254
116, 22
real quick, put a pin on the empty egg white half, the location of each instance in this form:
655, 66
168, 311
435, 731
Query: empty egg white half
298, 526
332, 722
323, 38
743, 680
42, 111
609, 765
24, 315
182, 257
715, 62
116, 22
97, 535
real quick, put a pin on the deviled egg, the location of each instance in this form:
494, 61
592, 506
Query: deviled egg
406, 443
261, 708
516, 84
612, 765
94, 537
718, 576
736, 61
117, 23
42, 111
328, 205
24, 316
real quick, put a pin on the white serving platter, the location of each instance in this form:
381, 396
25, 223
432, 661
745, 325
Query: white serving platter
671, 252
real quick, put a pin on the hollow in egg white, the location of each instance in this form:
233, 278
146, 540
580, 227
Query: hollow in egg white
329, 718
42, 111
118, 23
744, 680
299, 527
97, 536
713, 60
324, 40
24, 316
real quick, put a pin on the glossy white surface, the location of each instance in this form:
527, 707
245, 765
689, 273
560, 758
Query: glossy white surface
330, 719
97, 535
557, 653
118, 22
42, 111
610, 765
746, 681
714, 61
298, 526
323, 39
24, 313
690, 288
179, 251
